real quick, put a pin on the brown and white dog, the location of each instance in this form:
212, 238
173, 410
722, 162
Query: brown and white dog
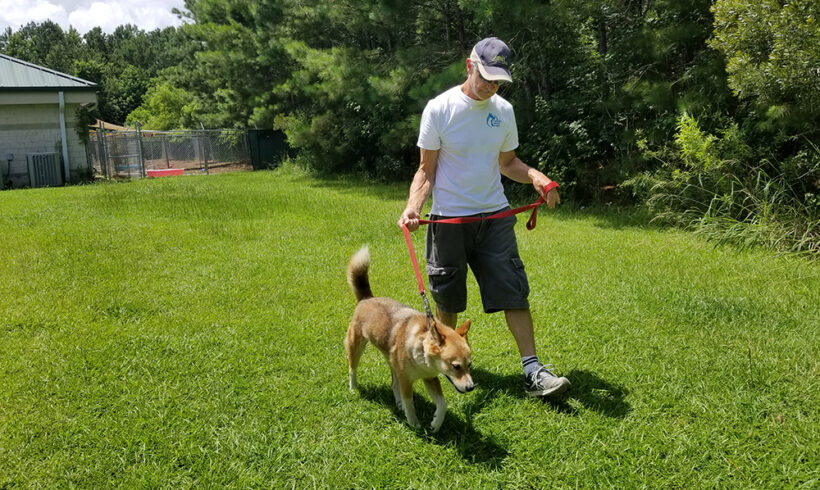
412, 350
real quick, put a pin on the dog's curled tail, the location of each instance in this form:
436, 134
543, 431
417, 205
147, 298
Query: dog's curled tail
357, 274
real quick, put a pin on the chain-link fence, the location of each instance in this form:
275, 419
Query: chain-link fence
137, 153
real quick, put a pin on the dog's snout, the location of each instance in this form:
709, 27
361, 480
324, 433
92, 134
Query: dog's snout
470, 387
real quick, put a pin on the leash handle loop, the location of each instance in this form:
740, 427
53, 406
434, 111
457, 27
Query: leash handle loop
534, 216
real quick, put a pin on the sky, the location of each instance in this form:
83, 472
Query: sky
84, 15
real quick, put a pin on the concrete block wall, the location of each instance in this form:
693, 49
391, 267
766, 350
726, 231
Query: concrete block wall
35, 128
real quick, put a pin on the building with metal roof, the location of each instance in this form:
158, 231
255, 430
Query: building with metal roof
39, 135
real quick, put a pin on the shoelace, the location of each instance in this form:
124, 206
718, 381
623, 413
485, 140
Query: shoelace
545, 367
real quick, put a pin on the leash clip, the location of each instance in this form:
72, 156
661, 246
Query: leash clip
426, 305
427, 311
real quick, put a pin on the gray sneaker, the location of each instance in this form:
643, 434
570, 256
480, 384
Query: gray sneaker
544, 382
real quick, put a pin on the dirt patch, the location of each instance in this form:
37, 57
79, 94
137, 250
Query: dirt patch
193, 167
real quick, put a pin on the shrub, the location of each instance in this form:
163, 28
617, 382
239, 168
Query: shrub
722, 188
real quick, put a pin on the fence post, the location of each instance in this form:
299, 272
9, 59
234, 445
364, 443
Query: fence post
103, 152
100, 147
247, 144
204, 148
139, 148
165, 149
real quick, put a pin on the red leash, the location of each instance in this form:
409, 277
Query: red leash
503, 214
416, 270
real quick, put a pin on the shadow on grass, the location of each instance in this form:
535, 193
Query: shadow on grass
474, 447
359, 186
621, 217
588, 389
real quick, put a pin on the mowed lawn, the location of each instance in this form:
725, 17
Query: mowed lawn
188, 332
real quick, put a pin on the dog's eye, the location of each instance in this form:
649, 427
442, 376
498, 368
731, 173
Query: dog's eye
456, 366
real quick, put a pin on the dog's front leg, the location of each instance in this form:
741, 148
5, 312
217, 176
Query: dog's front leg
396, 391
434, 390
406, 390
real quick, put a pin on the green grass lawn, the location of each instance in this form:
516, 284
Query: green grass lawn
189, 332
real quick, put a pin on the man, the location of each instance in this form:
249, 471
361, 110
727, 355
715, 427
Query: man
467, 140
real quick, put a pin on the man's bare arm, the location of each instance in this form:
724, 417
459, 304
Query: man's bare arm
420, 189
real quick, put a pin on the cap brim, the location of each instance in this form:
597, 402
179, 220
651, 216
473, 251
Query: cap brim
494, 73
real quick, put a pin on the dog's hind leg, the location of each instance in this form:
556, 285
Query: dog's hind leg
434, 390
354, 344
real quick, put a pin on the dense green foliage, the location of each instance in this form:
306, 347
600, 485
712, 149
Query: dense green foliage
188, 332
772, 50
610, 95
164, 106
347, 80
753, 176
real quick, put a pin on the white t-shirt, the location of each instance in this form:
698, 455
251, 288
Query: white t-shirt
469, 135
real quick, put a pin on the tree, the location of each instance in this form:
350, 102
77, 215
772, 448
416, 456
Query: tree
164, 107
772, 50
121, 63
43, 44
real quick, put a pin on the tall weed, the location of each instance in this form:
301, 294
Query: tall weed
716, 190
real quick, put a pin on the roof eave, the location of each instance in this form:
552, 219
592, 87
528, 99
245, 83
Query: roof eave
94, 88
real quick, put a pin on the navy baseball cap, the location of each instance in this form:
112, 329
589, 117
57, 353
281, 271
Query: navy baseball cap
493, 57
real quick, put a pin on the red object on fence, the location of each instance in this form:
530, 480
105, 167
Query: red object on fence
164, 172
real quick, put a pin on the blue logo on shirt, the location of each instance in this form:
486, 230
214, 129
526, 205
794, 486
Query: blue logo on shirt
493, 121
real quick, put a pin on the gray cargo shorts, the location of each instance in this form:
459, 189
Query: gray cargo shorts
490, 249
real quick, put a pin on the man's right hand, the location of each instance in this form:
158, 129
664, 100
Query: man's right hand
410, 219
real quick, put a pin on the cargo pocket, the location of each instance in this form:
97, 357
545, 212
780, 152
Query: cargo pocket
521, 275
440, 275
447, 288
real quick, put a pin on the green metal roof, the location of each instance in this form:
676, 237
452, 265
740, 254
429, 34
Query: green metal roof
18, 75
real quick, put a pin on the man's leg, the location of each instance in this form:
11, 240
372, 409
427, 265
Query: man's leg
448, 319
520, 324
447, 269
538, 380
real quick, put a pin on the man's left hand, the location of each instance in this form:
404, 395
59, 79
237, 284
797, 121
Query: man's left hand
551, 198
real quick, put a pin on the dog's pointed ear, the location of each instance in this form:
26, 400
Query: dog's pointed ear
434, 333
463, 329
